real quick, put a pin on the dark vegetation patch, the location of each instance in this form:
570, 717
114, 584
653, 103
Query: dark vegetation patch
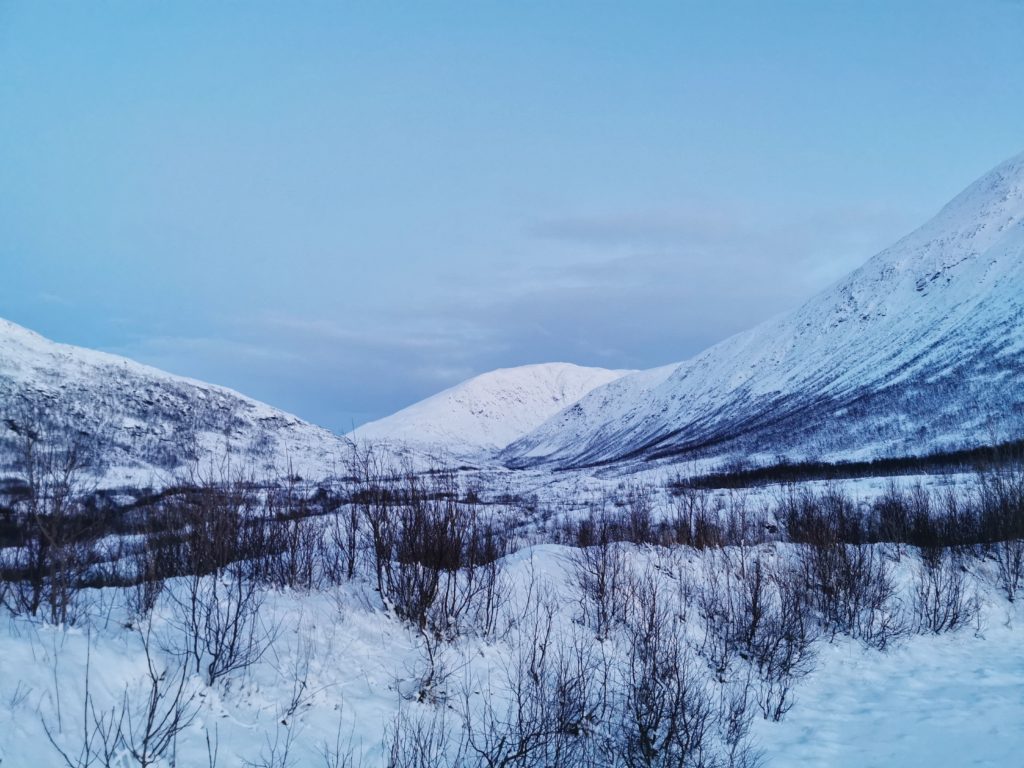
938, 462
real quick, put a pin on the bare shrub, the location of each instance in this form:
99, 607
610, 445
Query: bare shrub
695, 519
48, 565
1009, 559
782, 649
373, 496
151, 725
144, 726
891, 515
222, 544
484, 588
423, 739
852, 591
343, 548
717, 600
551, 705
941, 599
290, 548
663, 714
1001, 523
98, 741
428, 555
432, 672
762, 615
296, 555
599, 572
149, 563
743, 525
849, 582
446, 575
638, 523
294, 667
340, 754
822, 519
277, 751
734, 721
220, 624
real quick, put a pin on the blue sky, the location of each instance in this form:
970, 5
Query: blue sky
341, 208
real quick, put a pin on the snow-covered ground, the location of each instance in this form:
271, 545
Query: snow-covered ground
934, 700
919, 349
349, 668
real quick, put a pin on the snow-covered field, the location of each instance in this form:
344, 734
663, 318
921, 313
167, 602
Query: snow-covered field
341, 669
934, 700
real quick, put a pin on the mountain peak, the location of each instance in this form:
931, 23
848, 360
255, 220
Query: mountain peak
487, 412
989, 205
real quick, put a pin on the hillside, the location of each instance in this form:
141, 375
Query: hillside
920, 349
141, 424
487, 412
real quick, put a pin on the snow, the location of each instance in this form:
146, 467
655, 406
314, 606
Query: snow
150, 424
949, 700
946, 700
486, 413
919, 350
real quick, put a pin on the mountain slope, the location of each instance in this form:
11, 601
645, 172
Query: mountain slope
141, 423
921, 348
487, 412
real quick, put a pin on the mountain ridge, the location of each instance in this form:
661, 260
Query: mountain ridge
919, 349
860, 339
140, 423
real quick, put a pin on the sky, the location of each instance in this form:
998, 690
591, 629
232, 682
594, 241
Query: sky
344, 207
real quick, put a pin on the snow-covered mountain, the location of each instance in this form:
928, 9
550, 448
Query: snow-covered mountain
920, 349
486, 413
145, 424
